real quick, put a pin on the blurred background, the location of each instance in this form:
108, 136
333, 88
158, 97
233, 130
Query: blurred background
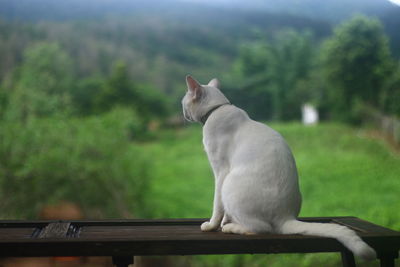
90, 114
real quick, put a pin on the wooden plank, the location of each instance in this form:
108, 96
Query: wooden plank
77, 246
169, 237
16, 233
55, 230
43, 223
22, 224
197, 221
175, 232
364, 226
165, 240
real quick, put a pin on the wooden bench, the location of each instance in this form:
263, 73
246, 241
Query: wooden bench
122, 239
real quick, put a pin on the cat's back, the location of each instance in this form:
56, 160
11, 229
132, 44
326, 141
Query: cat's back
255, 141
231, 126
252, 131
261, 130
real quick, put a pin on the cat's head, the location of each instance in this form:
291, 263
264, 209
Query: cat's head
200, 99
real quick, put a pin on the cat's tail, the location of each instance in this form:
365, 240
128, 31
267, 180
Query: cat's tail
343, 234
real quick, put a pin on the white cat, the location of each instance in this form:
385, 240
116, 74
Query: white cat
256, 183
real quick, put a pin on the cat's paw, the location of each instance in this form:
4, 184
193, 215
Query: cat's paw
208, 226
233, 228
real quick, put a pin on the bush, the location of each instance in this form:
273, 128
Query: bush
88, 161
356, 63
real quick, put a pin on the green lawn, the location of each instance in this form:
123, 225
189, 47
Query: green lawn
342, 172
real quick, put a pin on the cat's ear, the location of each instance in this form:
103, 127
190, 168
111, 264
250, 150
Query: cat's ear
214, 83
194, 87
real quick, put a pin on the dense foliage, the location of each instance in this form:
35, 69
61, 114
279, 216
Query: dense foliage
357, 65
88, 161
57, 140
271, 71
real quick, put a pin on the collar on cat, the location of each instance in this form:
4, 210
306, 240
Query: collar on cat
205, 117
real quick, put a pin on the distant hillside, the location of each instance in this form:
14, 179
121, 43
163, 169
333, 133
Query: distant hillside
160, 45
330, 10
37, 10
391, 21
230, 15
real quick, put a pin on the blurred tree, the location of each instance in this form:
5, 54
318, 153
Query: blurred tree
85, 93
119, 89
3, 102
47, 155
390, 98
295, 58
42, 84
272, 70
357, 62
90, 161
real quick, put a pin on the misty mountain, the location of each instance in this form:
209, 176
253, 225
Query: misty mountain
218, 24
182, 39
329, 10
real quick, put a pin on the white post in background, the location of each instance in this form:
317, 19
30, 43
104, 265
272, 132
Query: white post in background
309, 114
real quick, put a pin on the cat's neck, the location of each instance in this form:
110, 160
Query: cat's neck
204, 118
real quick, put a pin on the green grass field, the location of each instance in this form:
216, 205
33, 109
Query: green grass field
342, 173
